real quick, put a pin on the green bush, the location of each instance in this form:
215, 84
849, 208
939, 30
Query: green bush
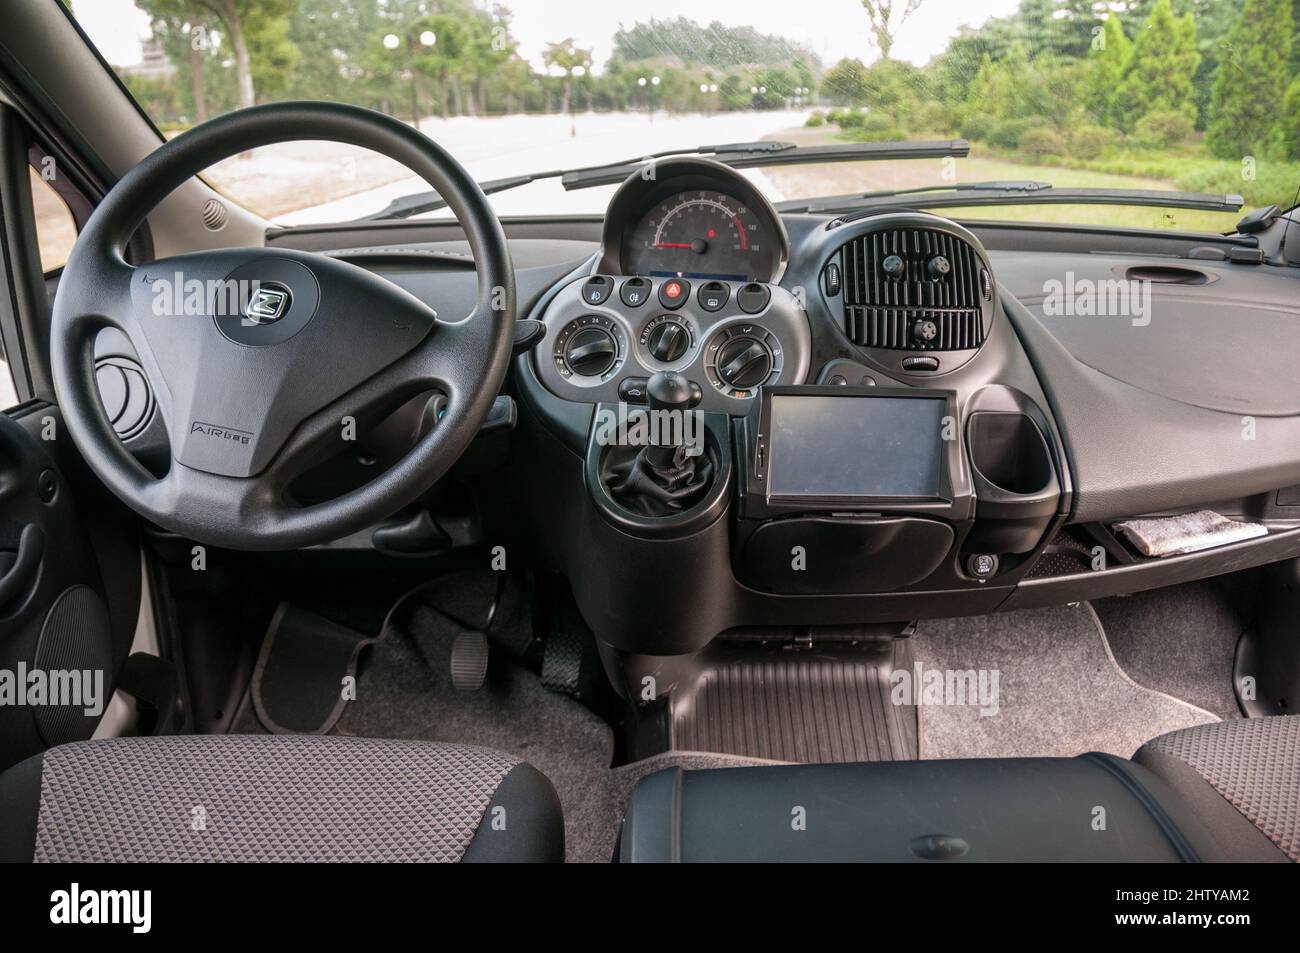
1088, 141
1006, 134
874, 127
1041, 142
976, 126
850, 119
1163, 128
818, 118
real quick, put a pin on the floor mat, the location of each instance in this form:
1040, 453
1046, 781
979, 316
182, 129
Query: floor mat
1050, 683
807, 706
405, 691
298, 682
1179, 640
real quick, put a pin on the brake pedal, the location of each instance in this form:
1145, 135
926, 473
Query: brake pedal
469, 661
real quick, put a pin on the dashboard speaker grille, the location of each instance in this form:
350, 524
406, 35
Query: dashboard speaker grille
883, 309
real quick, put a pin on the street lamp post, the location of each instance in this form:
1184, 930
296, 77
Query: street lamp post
576, 72
393, 42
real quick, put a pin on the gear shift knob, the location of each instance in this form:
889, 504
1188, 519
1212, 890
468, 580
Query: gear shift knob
668, 391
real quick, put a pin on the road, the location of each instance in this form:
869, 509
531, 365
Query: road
509, 145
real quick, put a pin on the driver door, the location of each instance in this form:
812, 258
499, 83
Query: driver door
70, 557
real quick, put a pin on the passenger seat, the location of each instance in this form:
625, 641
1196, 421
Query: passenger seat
1220, 792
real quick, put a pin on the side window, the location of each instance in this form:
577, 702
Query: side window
56, 229
8, 396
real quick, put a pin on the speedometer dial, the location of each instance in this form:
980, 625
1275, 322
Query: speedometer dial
701, 234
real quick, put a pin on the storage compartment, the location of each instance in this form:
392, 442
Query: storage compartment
1016, 487
810, 555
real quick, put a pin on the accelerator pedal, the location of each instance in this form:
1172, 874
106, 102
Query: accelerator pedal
562, 661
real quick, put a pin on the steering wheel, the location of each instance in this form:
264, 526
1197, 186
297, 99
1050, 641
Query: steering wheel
256, 393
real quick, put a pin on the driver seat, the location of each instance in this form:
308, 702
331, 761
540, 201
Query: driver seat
276, 798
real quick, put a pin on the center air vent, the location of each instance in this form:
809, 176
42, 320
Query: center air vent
915, 289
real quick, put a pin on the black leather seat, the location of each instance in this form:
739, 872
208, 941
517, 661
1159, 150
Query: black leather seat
277, 798
1219, 792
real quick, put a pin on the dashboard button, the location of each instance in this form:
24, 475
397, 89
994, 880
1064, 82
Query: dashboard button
632, 390
635, 292
713, 296
597, 289
753, 298
674, 292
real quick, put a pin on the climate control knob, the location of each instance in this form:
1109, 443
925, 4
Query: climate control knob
744, 362
590, 352
668, 342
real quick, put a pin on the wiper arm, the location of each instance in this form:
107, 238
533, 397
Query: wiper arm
974, 194
745, 156
417, 203
738, 155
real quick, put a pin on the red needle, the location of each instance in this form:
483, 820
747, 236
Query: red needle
673, 245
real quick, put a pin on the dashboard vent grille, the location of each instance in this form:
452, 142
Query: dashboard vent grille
884, 310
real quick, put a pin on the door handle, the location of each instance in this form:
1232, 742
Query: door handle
31, 548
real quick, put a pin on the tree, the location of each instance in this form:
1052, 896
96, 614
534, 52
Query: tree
1158, 77
886, 17
182, 24
1289, 123
1107, 61
845, 83
242, 18
1252, 79
570, 60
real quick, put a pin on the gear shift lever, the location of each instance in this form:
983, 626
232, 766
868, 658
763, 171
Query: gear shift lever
660, 479
671, 397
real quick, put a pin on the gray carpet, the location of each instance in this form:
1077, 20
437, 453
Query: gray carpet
404, 691
1059, 690
1180, 641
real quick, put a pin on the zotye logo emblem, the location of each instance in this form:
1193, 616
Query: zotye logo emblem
267, 305
131, 907
222, 433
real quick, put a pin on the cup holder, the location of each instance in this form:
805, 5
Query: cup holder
1016, 487
1009, 452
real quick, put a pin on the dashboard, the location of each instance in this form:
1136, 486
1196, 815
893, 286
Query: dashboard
772, 313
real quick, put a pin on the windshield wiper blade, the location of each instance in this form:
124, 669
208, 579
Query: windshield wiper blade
419, 202
738, 155
747, 157
974, 194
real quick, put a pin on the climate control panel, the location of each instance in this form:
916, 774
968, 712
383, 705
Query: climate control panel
606, 334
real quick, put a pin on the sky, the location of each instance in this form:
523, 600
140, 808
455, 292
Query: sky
831, 28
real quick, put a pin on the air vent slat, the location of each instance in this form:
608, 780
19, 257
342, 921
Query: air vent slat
882, 310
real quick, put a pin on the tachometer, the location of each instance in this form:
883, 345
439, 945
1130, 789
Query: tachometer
701, 234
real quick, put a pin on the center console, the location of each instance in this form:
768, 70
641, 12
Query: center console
849, 489
864, 441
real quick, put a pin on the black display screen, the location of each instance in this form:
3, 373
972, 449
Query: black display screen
839, 447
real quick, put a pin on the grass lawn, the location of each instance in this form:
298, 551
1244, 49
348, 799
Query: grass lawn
845, 178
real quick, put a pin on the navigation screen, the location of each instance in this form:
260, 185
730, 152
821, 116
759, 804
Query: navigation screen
840, 447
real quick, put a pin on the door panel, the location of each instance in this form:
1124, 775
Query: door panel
55, 612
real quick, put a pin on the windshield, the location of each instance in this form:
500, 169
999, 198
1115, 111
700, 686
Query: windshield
1187, 95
